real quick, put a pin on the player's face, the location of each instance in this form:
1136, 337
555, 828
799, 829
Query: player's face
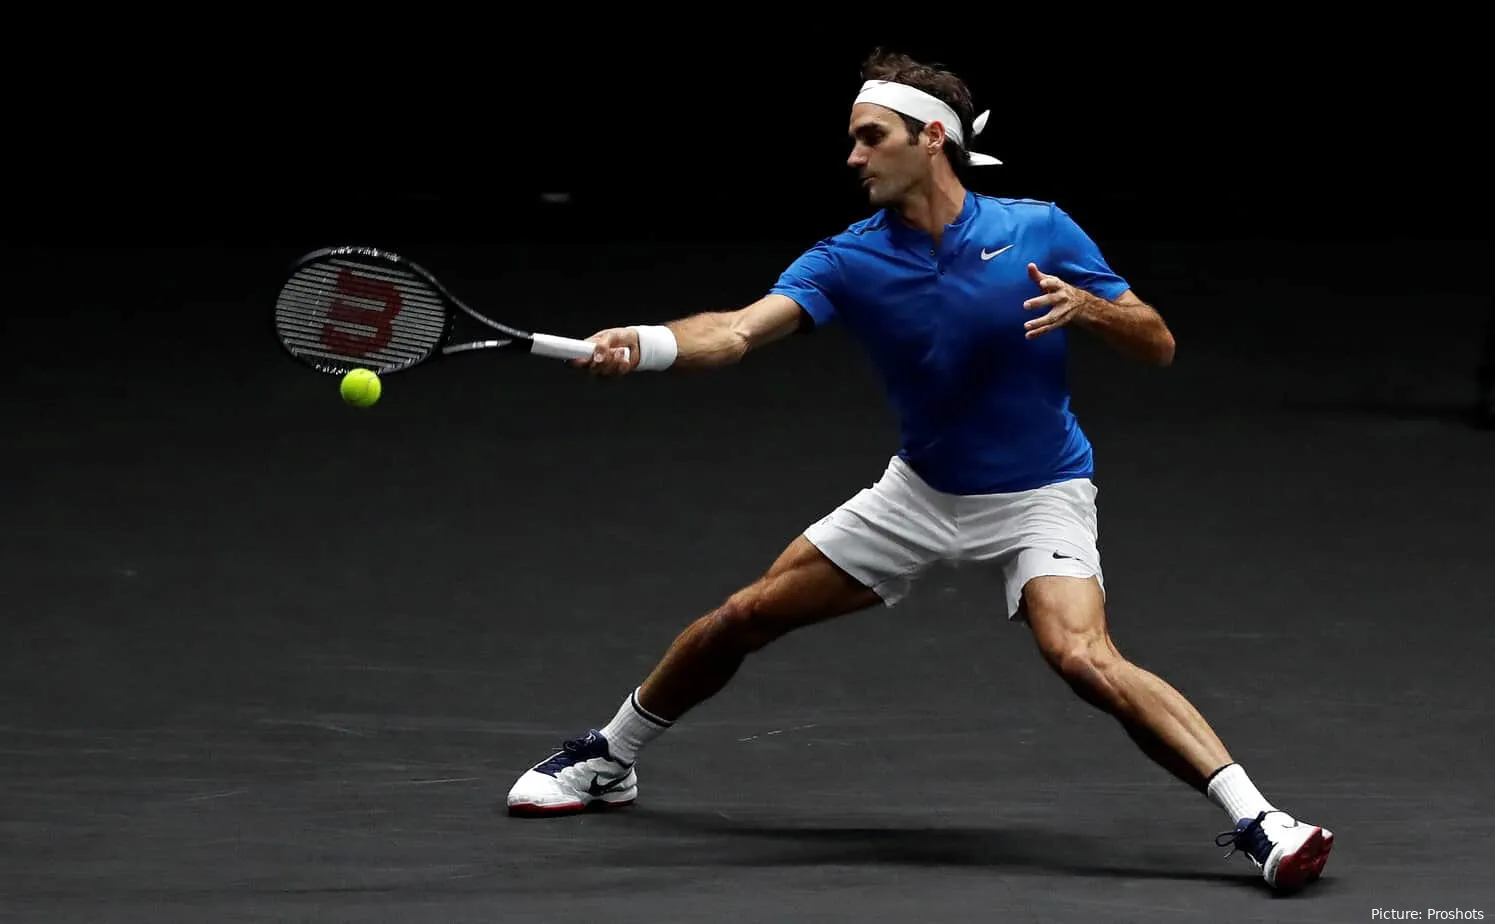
885, 162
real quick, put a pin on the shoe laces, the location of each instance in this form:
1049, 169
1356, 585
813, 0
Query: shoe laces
1251, 838
572, 750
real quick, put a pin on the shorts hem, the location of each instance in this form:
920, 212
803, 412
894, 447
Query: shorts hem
1074, 569
891, 590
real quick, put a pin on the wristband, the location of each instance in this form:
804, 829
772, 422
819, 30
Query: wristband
657, 347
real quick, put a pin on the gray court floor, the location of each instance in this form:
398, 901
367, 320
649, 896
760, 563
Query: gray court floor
270, 658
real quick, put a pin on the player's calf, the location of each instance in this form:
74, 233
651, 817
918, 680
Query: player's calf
1069, 625
1068, 622
802, 587
707, 654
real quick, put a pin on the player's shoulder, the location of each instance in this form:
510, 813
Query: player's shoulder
1014, 203
864, 235
1015, 209
873, 226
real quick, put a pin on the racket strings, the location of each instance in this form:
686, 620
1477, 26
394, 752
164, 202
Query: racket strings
343, 314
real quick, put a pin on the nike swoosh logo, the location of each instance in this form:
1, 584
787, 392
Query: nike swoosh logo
988, 254
598, 789
1061, 555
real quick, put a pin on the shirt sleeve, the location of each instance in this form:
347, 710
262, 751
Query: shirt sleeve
1077, 260
813, 281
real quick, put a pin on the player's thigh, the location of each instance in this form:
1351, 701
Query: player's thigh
801, 588
1067, 616
803, 582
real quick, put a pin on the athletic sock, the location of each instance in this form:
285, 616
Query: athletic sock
1232, 790
631, 729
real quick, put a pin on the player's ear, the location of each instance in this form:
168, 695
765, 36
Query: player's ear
934, 132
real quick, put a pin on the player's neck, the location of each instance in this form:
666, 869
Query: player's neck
932, 207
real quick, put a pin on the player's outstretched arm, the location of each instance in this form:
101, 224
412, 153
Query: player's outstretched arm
700, 341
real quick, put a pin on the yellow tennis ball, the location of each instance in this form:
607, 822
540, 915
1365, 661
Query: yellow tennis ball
361, 388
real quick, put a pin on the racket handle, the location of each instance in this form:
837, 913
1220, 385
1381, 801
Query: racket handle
564, 347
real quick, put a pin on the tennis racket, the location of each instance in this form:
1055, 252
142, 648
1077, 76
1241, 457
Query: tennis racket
347, 308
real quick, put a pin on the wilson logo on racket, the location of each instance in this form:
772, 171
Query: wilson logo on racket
345, 308
358, 305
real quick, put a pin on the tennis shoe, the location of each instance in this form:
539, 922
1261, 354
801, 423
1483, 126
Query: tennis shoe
581, 774
1290, 853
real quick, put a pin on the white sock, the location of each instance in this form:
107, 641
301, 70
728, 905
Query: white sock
1232, 790
631, 729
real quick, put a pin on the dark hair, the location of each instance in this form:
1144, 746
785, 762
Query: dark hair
937, 82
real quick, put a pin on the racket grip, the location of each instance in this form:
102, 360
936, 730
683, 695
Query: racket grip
561, 347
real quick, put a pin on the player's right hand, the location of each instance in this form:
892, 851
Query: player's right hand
616, 354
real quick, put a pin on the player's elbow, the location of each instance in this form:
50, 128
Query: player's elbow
743, 336
1164, 348
1159, 346
735, 347
723, 344
767, 320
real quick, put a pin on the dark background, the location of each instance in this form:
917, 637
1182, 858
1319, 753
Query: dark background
1249, 127
268, 656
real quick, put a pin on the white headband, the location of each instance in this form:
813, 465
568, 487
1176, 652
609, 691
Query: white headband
917, 104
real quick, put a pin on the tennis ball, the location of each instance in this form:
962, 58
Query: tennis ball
361, 388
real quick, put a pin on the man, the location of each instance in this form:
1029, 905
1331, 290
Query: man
962, 302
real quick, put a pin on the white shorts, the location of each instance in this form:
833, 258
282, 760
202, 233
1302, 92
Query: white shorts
888, 535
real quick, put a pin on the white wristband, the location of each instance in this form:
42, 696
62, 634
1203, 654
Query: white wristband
656, 347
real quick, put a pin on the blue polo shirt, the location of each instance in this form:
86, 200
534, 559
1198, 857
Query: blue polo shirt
981, 409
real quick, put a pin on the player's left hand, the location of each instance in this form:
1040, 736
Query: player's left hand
1058, 296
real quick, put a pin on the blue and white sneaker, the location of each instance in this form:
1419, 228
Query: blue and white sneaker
581, 773
1289, 853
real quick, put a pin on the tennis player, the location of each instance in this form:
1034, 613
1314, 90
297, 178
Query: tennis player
963, 302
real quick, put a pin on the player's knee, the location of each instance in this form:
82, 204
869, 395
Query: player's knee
1089, 664
742, 621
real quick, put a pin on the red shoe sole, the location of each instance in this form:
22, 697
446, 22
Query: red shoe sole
1306, 863
524, 810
